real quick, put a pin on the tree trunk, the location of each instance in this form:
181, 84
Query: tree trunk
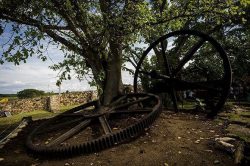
113, 80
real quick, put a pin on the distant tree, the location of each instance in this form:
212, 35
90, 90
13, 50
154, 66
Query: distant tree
29, 93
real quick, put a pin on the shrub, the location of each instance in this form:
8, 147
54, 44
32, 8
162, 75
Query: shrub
29, 93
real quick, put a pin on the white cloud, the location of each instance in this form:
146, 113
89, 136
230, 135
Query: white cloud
36, 74
17, 82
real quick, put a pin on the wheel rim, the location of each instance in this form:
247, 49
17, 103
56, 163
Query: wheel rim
174, 70
108, 117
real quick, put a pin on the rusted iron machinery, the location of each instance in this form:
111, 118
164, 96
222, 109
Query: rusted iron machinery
191, 66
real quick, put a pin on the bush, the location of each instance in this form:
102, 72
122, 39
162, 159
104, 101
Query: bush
29, 93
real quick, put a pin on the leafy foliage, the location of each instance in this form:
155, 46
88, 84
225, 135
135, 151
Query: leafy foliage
94, 34
226, 22
29, 93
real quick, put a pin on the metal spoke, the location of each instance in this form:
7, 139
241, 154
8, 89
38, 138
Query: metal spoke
84, 110
82, 115
168, 72
188, 56
165, 59
69, 133
180, 43
204, 85
118, 100
134, 111
152, 74
104, 124
81, 107
130, 103
60, 125
186, 85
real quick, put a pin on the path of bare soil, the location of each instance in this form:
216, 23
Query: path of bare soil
173, 139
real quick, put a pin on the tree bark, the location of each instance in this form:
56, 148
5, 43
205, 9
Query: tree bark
113, 80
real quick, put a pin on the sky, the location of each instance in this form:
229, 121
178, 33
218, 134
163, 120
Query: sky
35, 74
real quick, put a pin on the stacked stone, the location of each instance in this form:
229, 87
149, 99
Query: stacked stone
49, 103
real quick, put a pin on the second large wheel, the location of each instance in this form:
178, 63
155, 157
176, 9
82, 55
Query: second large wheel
188, 65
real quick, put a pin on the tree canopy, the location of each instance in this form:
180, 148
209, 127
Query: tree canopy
99, 36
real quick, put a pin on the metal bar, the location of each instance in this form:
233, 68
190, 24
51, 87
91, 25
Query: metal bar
118, 100
130, 103
69, 133
188, 56
134, 111
206, 85
168, 72
185, 85
58, 126
105, 124
82, 115
14, 132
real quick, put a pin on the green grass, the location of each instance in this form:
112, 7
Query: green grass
18, 117
187, 105
238, 117
65, 108
37, 114
12, 98
241, 135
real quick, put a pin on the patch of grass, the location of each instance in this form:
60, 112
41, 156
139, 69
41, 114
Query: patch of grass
187, 105
12, 98
37, 114
229, 104
245, 138
240, 117
245, 113
16, 118
234, 116
65, 108
241, 135
237, 115
242, 103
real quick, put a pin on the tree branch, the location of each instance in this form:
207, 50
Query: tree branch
71, 23
62, 40
183, 15
32, 22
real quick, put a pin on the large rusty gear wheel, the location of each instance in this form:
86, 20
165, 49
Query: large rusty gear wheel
187, 61
69, 133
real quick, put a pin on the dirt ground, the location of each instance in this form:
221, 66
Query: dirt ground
173, 139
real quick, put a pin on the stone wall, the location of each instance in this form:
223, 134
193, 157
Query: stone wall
77, 98
54, 103
26, 105
50, 103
